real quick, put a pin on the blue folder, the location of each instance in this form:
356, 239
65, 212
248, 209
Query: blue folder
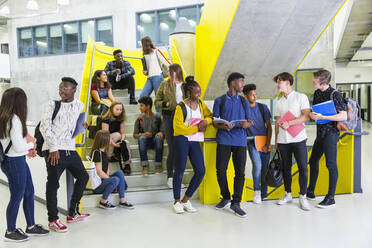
326, 109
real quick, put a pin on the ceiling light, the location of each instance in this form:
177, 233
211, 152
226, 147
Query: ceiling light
5, 10
164, 26
145, 18
172, 14
63, 2
32, 5
192, 23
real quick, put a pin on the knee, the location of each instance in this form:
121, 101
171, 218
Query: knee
84, 177
120, 174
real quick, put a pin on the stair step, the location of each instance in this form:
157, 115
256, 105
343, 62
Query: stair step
124, 92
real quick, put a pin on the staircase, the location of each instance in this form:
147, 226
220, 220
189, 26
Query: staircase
141, 189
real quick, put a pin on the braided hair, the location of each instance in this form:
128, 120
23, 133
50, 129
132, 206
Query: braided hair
189, 85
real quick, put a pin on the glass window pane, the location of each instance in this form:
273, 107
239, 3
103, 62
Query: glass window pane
87, 31
55, 39
104, 32
167, 23
41, 41
190, 14
71, 37
146, 26
25, 42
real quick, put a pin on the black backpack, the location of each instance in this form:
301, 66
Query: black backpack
274, 175
184, 110
2, 152
38, 136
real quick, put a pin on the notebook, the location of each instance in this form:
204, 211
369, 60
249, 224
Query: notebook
293, 130
260, 142
79, 129
199, 136
326, 109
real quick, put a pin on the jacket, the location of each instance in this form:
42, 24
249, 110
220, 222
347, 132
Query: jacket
125, 70
167, 93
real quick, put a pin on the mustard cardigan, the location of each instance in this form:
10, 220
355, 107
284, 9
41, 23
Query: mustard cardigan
179, 126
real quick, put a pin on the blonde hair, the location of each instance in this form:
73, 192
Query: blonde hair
110, 113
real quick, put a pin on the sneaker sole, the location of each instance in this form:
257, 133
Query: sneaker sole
283, 203
106, 207
226, 206
178, 212
325, 207
15, 241
74, 221
311, 199
130, 208
235, 213
58, 230
35, 234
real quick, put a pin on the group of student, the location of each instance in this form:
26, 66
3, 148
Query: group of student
180, 103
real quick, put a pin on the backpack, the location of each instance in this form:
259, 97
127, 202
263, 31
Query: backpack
38, 136
94, 129
139, 124
184, 110
2, 152
353, 114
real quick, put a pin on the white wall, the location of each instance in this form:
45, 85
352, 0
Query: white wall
353, 74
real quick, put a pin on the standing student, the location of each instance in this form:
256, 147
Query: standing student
193, 108
148, 129
109, 182
59, 153
327, 136
153, 58
261, 129
298, 104
232, 139
114, 122
17, 143
169, 94
120, 74
101, 91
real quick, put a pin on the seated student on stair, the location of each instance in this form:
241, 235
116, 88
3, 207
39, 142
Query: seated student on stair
108, 182
148, 129
113, 121
101, 92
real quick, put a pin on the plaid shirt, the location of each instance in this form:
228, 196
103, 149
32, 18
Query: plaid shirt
125, 69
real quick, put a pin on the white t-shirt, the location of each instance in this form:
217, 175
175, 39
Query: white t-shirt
152, 63
179, 92
295, 102
192, 114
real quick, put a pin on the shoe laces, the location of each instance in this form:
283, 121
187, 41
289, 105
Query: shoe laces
58, 223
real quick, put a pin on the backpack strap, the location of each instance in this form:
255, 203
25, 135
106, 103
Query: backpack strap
56, 109
242, 99
333, 93
8, 147
262, 110
184, 110
222, 104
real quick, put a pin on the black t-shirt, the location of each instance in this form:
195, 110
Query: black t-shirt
322, 96
114, 126
97, 159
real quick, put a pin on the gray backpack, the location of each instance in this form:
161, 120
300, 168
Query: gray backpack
353, 114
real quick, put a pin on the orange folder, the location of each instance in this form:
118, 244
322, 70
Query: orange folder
260, 142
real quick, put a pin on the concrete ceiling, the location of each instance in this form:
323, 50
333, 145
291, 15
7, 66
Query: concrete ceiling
357, 34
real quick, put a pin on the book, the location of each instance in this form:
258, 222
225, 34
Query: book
293, 130
79, 129
144, 65
199, 136
260, 142
222, 121
326, 109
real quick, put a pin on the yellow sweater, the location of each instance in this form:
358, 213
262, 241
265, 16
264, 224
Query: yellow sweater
179, 124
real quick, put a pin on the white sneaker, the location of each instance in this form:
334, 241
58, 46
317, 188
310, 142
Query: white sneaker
170, 182
188, 207
304, 204
287, 198
178, 208
257, 197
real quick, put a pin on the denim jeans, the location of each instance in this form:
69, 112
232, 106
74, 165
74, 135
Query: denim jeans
21, 187
152, 84
108, 185
328, 146
192, 150
260, 162
154, 142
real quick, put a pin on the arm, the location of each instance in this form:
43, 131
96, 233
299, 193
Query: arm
110, 71
159, 98
179, 126
269, 132
96, 97
122, 130
111, 97
341, 116
305, 116
129, 68
276, 131
100, 172
18, 143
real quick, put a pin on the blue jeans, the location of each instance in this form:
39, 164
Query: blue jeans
328, 146
186, 148
152, 84
154, 142
110, 184
21, 187
260, 162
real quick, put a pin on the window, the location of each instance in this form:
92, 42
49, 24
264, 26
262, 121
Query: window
5, 48
62, 38
158, 24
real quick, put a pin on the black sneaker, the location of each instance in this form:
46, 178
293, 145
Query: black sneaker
237, 210
327, 203
310, 196
223, 204
106, 205
127, 170
127, 205
17, 236
133, 101
37, 230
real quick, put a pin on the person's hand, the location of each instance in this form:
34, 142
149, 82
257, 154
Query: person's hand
160, 135
145, 72
202, 126
117, 71
167, 105
284, 125
276, 147
53, 158
266, 148
117, 144
30, 139
147, 134
85, 125
246, 124
316, 116
226, 127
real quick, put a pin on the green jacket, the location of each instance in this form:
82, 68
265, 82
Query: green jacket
167, 93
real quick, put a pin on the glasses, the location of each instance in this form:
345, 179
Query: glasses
64, 89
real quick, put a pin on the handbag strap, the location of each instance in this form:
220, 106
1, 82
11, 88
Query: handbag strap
8, 148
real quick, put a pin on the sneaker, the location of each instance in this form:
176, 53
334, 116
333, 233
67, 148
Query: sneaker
106, 205
145, 170
235, 207
76, 218
188, 207
36, 230
257, 197
17, 236
158, 169
223, 204
133, 101
327, 203
178, 208
304, 204
287, 198
310, 196
57, 226
127, 170
126, 205
170, 182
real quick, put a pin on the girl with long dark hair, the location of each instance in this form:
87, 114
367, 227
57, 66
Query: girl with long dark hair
101, 91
